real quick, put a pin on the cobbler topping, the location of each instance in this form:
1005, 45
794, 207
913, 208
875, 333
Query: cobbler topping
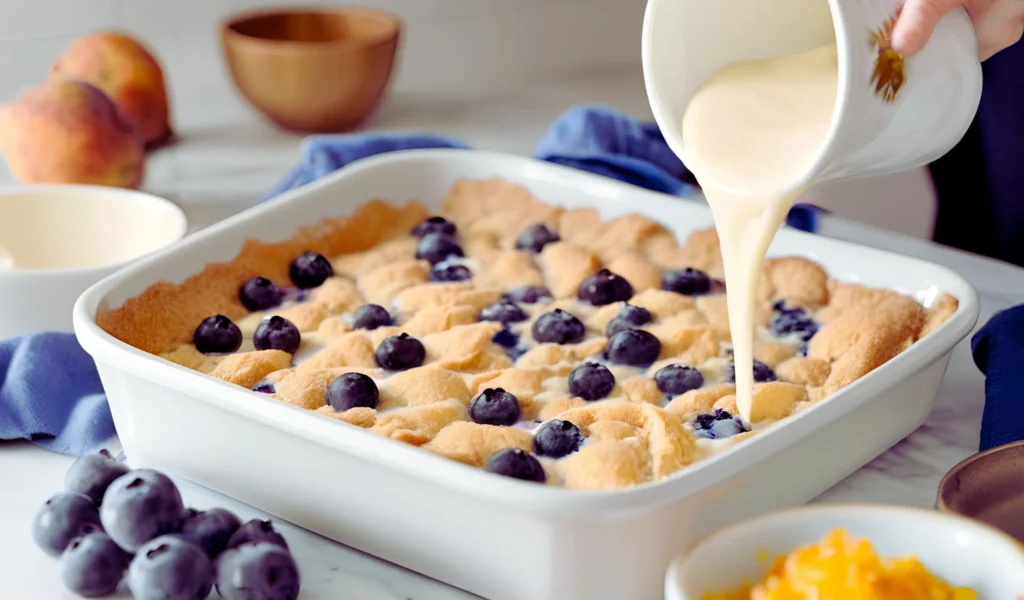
534, 342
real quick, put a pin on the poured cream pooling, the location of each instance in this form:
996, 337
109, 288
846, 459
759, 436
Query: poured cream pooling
752, 133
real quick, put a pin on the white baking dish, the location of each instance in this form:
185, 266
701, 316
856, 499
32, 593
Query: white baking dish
500, 538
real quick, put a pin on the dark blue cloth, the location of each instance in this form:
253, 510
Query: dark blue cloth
998, 350
52, 395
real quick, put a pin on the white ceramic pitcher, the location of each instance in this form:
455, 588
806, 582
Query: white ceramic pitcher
685, 41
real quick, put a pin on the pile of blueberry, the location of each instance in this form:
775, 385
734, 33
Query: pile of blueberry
113, 523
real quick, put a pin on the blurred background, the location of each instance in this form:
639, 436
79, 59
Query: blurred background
494, 73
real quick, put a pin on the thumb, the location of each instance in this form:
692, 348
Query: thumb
916, 23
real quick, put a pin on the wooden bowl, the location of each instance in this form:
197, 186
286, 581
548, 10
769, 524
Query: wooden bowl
312, 70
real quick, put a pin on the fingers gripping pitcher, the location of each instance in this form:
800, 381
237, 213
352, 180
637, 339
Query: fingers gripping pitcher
762, 99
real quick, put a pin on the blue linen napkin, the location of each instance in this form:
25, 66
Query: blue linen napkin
998, 350
50, 392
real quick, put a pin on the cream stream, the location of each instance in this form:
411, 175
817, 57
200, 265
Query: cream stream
752, 132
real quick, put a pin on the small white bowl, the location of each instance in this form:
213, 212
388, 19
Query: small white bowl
961, 551
63, 239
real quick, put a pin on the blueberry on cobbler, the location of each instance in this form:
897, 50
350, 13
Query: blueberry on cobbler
634, 347
260, 293
400, 352
717, 425
494, 407
604, 287
517, 464
557, 438
558, 327
436, 247
217, 335
371, 316
449, 271
762, 372
351, 390
535, 237
503, 311
591, 381
527, 294
795, 320
277, 333
629, 317
264, 387
433, 224
688, 281
676, 380
310, 270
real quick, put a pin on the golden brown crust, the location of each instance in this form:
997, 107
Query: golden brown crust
636, 435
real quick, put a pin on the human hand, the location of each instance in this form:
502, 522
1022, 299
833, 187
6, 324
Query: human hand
998, 23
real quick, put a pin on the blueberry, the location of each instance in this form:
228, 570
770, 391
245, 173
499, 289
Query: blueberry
63, 518
310, 270
371, 316
604, 287
436, 247
93, 473
494, 407
258, 571
629, 317
788, 321
762, 372
170, 568
140, 506
678, 379
93, 565
503, 311
688, 281
448, 271
260, 293
400, 352
351, 390
557, 438
517, 464
217, 335
558, 327
717, 425
591, 381
527, 294
802, 349
510, 341
277, 333
535, 237
210, 529
634, 347
433, 224
257, 530
264, 387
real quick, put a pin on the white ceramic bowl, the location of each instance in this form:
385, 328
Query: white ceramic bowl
685, 41
64, 238
961, 551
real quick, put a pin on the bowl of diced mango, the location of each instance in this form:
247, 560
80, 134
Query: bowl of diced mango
851, 552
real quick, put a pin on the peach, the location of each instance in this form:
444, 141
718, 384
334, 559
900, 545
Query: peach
127, 72
65, 131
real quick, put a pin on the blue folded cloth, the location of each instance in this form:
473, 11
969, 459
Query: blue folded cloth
50, 393
998, 350
49, 390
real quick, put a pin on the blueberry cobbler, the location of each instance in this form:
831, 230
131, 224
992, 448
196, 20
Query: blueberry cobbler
531, 341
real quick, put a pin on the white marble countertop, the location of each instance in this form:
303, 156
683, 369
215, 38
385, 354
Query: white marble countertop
227, 158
